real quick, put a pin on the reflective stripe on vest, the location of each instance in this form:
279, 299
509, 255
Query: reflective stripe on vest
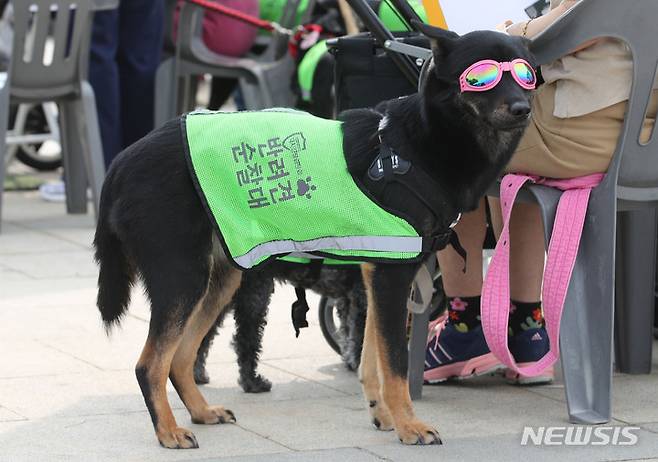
352, 243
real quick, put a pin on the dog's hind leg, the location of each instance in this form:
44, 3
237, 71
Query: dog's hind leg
387, 288
251, 303
178, 283
224, 282
174, 297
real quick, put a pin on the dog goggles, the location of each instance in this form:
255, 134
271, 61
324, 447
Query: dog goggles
485, 74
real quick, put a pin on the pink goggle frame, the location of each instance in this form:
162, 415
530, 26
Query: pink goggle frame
486, 74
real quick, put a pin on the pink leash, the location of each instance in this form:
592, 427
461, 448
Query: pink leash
562, 251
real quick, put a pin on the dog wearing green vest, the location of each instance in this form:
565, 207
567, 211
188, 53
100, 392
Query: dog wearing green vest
208, 196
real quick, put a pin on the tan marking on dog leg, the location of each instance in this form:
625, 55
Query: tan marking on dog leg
152, 371
368, 374
395, 393
220, 293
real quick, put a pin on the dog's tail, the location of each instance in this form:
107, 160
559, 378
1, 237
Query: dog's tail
117, 275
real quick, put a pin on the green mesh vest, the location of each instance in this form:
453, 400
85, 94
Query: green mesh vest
275, 183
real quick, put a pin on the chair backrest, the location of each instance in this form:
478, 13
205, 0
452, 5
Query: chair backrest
51, 46
634, 165
190, 32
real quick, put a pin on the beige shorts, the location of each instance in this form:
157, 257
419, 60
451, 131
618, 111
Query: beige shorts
566, 148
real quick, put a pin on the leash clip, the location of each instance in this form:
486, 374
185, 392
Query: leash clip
456, 221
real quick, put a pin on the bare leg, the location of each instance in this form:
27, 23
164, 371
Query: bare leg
526, 249
471, 231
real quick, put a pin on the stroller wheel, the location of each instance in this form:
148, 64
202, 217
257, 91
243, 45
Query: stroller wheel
40, 156
328, 318
33, 156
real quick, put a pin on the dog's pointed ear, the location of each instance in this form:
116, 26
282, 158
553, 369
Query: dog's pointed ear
442, 40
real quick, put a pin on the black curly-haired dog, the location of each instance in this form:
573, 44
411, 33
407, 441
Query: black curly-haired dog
250, 306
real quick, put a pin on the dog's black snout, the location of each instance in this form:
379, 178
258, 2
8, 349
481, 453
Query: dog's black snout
519, 108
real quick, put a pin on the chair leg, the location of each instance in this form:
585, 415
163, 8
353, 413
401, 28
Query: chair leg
417, 345
253, 97
75, 176
635, 266
586, 328
4, 120
165, 92
93, 154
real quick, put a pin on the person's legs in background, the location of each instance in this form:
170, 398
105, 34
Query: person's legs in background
459, 349
528, 339
552, 147
104, 78
141, 29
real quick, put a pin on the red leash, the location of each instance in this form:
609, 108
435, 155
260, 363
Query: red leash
240, 16
303, 37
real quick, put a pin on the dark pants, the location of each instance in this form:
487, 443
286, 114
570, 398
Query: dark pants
125, 54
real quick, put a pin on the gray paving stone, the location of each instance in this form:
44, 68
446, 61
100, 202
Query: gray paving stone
627, 392
313, 424
327, 455
27, 209
223, 387
7, 415
9, 275
508, 447
327, 370
30, 358
650, 426
45, 293
122, 437
21, 240
67, 264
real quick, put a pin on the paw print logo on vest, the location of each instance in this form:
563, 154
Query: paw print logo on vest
304, 187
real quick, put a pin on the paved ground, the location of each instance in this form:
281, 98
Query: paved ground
68, 392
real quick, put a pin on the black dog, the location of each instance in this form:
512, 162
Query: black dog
152, 224
250, 305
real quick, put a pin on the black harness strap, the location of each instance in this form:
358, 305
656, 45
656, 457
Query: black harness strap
388, 167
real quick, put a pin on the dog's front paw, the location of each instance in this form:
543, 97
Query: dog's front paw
417, 432
214, 415
178, 438
381, 417
255, 384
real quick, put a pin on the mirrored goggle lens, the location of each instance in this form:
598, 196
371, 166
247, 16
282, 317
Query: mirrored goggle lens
524, 73
482, 75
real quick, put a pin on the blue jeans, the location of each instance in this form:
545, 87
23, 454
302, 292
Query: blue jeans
125, 54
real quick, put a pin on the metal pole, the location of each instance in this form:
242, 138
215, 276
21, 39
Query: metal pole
382, 34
